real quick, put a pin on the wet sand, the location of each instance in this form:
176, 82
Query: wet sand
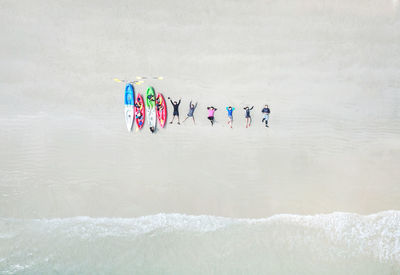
329, 72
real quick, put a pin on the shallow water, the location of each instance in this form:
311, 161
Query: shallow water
338, 243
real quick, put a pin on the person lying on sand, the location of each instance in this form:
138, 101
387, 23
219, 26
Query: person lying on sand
176, 110
192, 107
266, 111
211, 111
230, 110
247, 115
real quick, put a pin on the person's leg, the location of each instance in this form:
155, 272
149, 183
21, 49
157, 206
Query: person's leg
185, 119
250, 120
194, 122
247, 122
173, 117
178, 120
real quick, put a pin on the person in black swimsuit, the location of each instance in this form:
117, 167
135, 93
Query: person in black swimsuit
247, 115
176, 110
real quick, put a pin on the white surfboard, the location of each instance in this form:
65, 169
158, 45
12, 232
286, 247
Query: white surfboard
151, 118
129, 116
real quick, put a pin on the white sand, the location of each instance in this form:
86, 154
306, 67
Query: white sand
328, 69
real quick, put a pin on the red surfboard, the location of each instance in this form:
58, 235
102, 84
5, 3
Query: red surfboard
139, 111
161, 110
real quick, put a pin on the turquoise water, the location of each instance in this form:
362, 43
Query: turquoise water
337, 243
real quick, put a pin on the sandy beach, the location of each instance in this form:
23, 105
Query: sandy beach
329, 70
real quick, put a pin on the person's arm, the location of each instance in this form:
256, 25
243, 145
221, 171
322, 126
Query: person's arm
251, 107
171, 102
233, 109
179, 102
227, 109
195, 105
190, 104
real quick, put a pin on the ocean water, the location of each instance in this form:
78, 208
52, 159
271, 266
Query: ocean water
337, 243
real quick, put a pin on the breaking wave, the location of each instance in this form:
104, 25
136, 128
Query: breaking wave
337, 243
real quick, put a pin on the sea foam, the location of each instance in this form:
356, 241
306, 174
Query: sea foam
336, 243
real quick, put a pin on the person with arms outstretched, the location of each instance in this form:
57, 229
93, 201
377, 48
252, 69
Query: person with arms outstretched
230, 110
266, 111
176, 110
248, 116
211, 111
192, 107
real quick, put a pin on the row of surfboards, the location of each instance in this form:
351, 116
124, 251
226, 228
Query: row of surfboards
153, 107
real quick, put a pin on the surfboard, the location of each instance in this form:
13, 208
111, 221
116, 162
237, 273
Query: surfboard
150, 108
140, 113
161, 110
129, 104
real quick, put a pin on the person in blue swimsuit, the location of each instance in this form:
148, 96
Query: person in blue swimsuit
230, 110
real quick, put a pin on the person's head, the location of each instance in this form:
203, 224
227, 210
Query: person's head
230, 107
175, 102
266, 106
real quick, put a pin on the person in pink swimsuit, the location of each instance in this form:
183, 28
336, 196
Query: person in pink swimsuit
211, 111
